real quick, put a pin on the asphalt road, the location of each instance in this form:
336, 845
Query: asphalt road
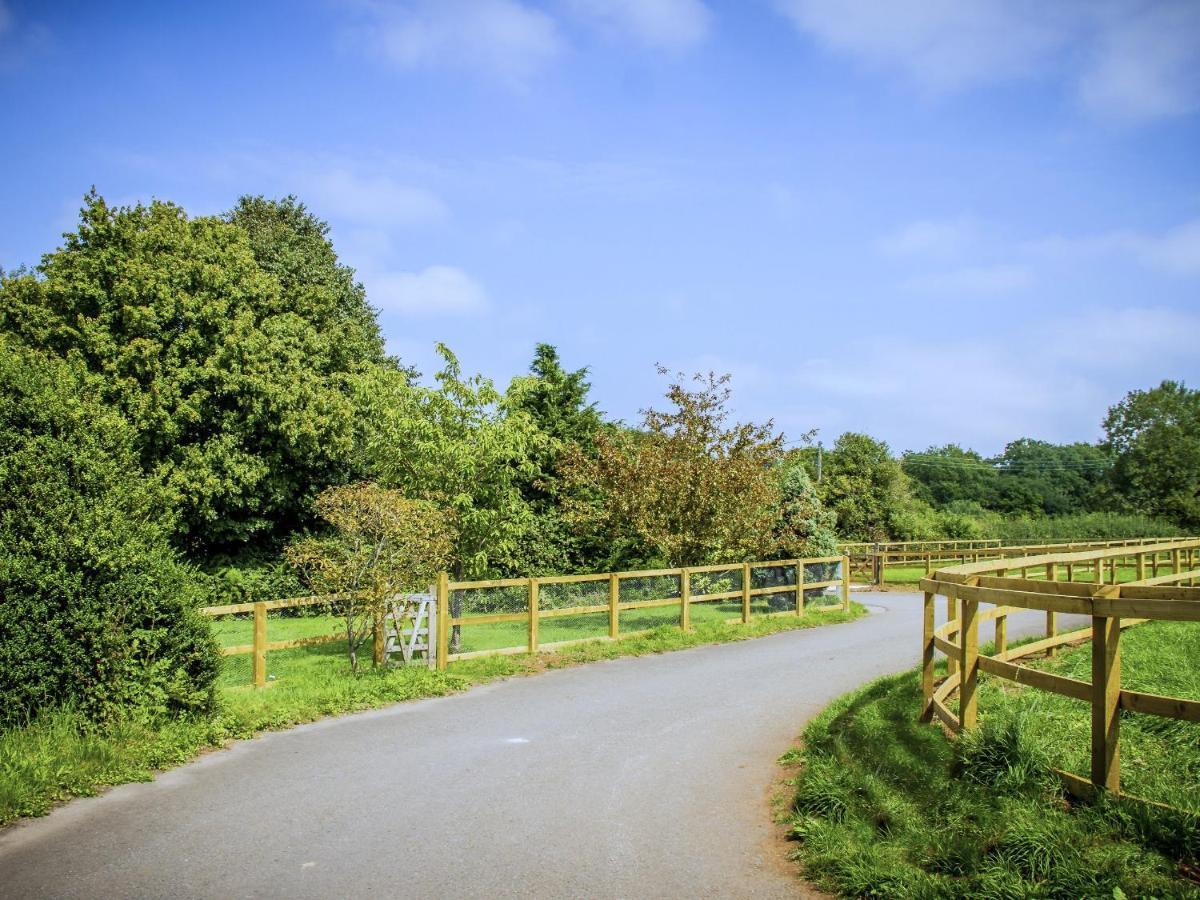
644, 777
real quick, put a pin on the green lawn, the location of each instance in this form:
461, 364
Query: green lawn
913, 574
59, 756
887, 807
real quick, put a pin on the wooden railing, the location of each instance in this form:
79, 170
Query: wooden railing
534, 611
870, 562
1112, 606
684, 597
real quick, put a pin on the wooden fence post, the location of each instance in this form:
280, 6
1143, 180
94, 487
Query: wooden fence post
1001, 636
614, 612
800, 587
260, 644
534, 604
745, 593
951, 615
1140, 562
845, 584
378, 638
968, 701
927, 650
685, 600
1052, 617
443, 620
1106, 693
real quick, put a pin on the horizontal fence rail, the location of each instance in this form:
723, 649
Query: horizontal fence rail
1047, 582
508, 615
869, 563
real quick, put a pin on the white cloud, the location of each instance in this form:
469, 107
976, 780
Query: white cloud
998, 279
434, 291
373, 199
1146, 63
505, 38
985, 389
1175, 251
1127, 61
667, 24
928, 238
942, 45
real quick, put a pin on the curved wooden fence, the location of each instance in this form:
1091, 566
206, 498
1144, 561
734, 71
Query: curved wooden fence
1112, 606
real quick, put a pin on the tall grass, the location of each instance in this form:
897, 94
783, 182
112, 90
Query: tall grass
885, 806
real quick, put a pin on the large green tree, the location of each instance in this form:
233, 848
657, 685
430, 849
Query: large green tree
95, 609
867, 490
456, 444
226, 343
556, 402
945, 475
690, 485
1155, 438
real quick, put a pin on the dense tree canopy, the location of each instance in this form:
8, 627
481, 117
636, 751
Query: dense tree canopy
1155, 436
225, 344
691, 486
95, 609
866, 488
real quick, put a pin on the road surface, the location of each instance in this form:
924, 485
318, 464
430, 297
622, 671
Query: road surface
638, 777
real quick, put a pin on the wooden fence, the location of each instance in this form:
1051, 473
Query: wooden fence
1112, 607
870, 562
451, 615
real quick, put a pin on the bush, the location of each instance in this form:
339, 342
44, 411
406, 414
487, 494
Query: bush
97, 611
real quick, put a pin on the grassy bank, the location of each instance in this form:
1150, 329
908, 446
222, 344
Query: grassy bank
59, 756
887, 807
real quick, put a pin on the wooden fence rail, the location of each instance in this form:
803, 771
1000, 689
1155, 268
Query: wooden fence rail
870, 562
534, 612
1112, 606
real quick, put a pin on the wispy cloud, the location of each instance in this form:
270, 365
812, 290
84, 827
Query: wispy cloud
928, 238
505, 39
998, 279
1127, 61
665, 24
434, 291
1175, 251
373, 198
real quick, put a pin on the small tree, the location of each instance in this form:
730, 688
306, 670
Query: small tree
691, 486
382, 544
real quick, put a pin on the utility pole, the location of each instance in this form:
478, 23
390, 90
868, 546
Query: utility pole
820, 452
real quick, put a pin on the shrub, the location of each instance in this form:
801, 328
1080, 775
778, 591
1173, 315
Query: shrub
97, 611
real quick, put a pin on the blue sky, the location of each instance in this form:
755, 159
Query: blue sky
944, 221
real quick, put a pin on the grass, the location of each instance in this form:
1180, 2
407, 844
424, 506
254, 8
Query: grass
59, 756
887, 807
909, 575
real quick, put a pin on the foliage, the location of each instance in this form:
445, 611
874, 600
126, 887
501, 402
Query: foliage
867, 490
804, 527
459, 446
690, 486
1155, 437
556, 402
97, 611
224, 343
945, 475
382, 544
886, 806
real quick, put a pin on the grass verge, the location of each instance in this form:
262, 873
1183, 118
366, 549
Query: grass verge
887, 807
59, 756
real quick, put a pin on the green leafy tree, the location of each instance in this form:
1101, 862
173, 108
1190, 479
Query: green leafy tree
96, 611
1052, 479
556, 402
382, 544
867, 490
804, 528
1154, 436
945, 475
691, 486
226, 344
460, 446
